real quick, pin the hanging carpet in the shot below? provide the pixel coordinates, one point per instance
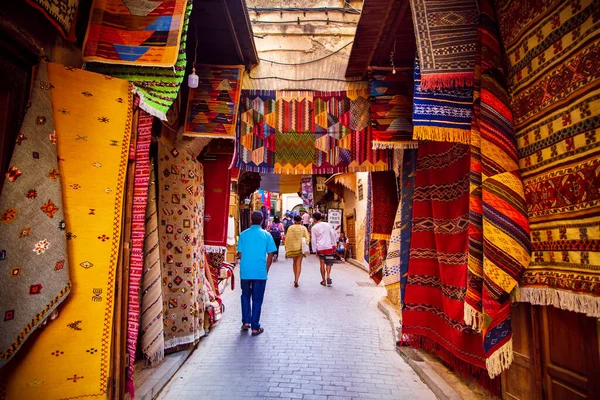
(553, 52)
(62, 14)
(217, 184)
(407, 182)
(384, 204)
(71, 356)
(33, 253)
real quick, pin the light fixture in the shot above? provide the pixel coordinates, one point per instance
(392, 58)
(193, 79)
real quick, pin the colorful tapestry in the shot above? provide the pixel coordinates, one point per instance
(157, 87)
(134, 32)
(217, 184)
(553, 52)
(307, 192)
(152, 340)
(32, 228)
(138, 231)
(62, 14)
(212, 107)
(384, 204)
(446, 35)
(391, 269)
(499, 244)
(71, 356)
(390, 96)
(181, 232)
(432, 318)
(407, 181)
(442, 114)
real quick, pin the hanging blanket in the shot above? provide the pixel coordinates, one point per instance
(181, 245)
(554, 80)
(216, 188)
(212, 107)
(407, 181)
(33, 253)
(136, 264)
(434, 299)
(135, 32)
(391, 269)
(446, 35)
(151, 329)
(307, 192)
(157, 87)
(62, 14)
(71, 357)
(442, 114)
(385, 204)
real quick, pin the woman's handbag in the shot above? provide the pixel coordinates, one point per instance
(305, 248)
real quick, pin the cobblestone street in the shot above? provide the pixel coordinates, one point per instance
(319, 343)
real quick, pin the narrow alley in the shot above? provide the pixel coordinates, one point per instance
(319, 343)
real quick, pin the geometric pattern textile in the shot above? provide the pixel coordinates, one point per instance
(133, 32)
(446, 34)
(71, 356)
(553, 52)
(181, 201)
(212, 107)
(407, 182)
(61, 14)
(34, 264)
(391, 270)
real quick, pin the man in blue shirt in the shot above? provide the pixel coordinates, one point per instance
(255, 250)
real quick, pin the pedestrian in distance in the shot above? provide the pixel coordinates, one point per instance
(324, 243)
(255, 251)
(276, 230)
(293, 246)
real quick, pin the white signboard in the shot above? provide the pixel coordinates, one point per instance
(334, 218)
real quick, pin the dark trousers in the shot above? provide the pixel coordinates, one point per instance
(252, 289)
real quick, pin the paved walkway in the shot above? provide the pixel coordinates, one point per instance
(319, 343)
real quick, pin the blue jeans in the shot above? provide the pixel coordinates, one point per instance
(255, 289)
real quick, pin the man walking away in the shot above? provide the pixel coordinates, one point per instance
(276, 231)
(255, 250)
(324, 243)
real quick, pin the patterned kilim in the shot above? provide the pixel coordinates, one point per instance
(391, 270)
(295, 153)
(446, 34)
(499, 245)
(138, 230)
(181, 232)
(391, 110)
(134, 32)
(216, 188)
(157, 87)
(553, 52)
(384, 204)
(442, 114)
(33, 253)
(61, 13)
(436, 284)
(307, 191)
(152, 340)
(71, 356)
(407, 180)
(212, 107)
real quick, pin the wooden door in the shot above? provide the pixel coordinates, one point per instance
(351, 234)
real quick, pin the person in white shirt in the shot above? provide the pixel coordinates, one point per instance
(324, 243)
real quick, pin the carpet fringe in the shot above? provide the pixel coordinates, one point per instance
(156, 358)
(441, 134)
(473, 318)
(576, 302)
(500, 360)
(447, 81)
(147, 107)
(180, 341)
(215, 249)
(395, 145)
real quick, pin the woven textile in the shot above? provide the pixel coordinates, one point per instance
(62, 14)
(138, 230)
(434, 299)
(151, 329)
(442, 114)
(157, 87)
(553, 51)
(307, 191)
(391, 270)
(134, 32)
(33, 253)
(212, 107)
(407, 188)
(71, 356)
(446, 35)
(181, 233)
(390, 96)
(384, 204)
(216, 188)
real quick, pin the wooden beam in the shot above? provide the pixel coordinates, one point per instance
(236, 41)
(387, 46)
(374, 47)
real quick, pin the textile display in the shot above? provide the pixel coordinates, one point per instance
(138, 231)
(62, 14)
(390, 96)
(391, 269)
(140, 33)
(374, 249)
(71, 356)
(306, 132)
(499, 244)
(151, 332)
(407, 181)
(157, 87)
(217, 185)
(553, 52)
(32, 229)
(442, 114)
(384, 204)
(446, 36)
(212, 107)
(181, 232)
(307, 192)
(270, 182)
(432, 317)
